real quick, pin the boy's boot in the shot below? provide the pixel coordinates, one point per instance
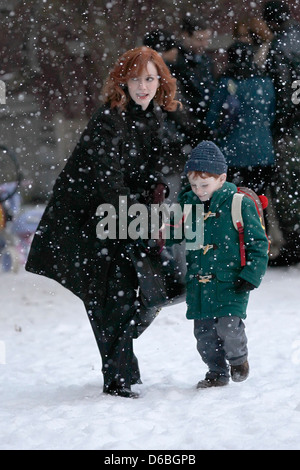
(213, 380)
(240, 373)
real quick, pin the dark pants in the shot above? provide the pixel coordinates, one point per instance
(122, 319)
(221, 340)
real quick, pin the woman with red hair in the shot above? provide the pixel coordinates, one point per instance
(129, 68)
(119, 156)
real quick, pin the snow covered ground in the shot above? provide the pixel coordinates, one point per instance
(51, 382)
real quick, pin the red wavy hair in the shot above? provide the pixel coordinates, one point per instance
(131, 64)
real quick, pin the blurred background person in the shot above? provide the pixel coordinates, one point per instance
(240, 31)
(247, 141)
(194, 67)
(255, 31)
(283, 66)
(261, 37)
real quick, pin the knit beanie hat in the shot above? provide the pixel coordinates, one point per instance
(206, 157)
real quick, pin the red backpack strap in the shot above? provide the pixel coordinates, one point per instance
(242, 244)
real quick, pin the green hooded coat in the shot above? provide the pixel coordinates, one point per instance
(211, 275)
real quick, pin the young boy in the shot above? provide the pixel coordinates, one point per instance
(217, 286)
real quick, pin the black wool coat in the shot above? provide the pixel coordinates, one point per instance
(119, 154)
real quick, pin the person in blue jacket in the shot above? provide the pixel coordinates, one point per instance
(247, 141)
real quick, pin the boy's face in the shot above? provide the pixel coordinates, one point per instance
(205, 187)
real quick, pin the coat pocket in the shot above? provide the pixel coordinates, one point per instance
(226, 292)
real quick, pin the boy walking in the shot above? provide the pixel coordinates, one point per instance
(217, 285)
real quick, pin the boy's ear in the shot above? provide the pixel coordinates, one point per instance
(223, 177)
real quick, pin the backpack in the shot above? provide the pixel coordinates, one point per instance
(261, 202)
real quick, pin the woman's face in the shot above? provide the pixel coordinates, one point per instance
(142, 89)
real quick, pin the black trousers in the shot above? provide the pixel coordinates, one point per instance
(122, 319)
